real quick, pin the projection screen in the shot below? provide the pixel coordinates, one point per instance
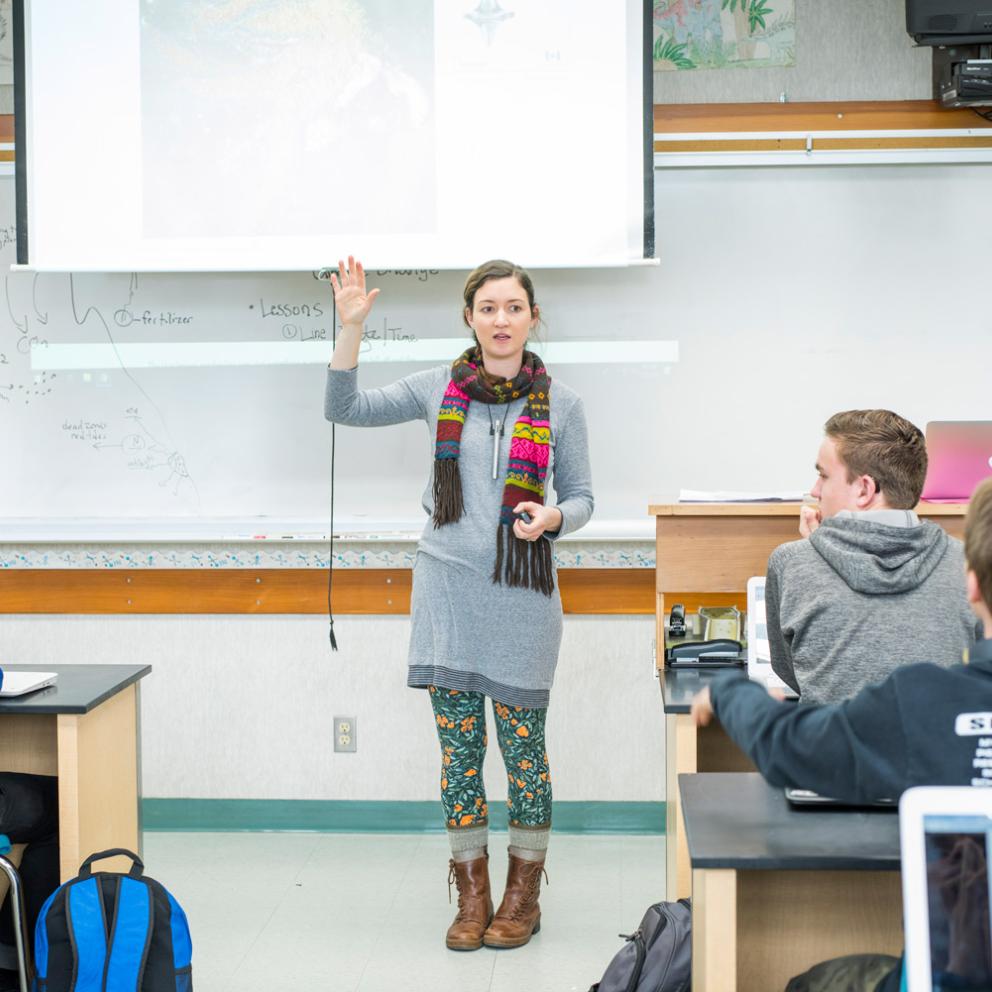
(183, 135)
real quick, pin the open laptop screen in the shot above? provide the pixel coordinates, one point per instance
(959, 453)
(958, 900)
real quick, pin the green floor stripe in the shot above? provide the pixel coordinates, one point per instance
(354, 816)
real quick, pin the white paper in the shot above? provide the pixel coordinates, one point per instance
(739, 496)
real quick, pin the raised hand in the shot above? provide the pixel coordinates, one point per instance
(352, 302)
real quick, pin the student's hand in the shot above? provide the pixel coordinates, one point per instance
(352, 302)
(702, 708)
(542, 518)
(809, 519)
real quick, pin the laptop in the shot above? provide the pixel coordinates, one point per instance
(959, 455)
(759, 656)
(945, 836)
(19, 683)
(807, 797)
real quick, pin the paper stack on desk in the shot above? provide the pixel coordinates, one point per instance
(738, 496)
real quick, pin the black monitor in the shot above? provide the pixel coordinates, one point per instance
(949, 22)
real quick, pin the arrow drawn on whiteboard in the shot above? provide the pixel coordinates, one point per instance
(42, 317)
(132, 288)
(6, 292)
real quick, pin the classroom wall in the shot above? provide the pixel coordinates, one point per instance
(794, 292)
(242, 707)
(845, 50)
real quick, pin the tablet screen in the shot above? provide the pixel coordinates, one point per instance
(958, 898)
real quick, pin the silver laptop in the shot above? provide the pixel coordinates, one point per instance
(945, 838)
(19, 683)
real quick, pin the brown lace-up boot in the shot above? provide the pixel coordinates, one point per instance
(519, 915)
(475, 903)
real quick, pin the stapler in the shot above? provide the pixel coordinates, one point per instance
(719, 653)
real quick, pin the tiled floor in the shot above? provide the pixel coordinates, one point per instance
(367, 912)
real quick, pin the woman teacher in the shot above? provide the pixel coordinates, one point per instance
(486, 616)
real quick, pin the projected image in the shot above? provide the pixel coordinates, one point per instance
(268, 118)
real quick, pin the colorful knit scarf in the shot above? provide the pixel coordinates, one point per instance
(518, 563)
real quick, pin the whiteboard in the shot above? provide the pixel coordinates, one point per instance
(224, 441)
(790, 293)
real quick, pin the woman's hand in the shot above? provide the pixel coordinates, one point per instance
(352, 302)
(542, 518)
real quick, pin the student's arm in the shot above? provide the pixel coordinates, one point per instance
(854, 751)
(572, 475)
(781, 653)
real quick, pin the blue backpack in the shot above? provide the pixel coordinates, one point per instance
(105, 930)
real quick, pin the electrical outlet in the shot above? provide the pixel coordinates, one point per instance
(345, 733)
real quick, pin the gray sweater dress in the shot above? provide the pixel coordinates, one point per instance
(468, 633)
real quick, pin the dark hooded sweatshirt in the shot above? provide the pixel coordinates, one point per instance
(923, 725)
(859, 598)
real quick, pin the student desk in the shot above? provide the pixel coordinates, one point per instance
(714, 548)
(84, 729)
(705, 553)
(686, 750)
(776, 890)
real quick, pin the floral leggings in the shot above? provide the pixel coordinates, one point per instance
(461, 729)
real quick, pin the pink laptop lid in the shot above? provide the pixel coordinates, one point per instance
(959, 454)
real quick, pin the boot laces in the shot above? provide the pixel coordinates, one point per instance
(526, 904)
(453, 880)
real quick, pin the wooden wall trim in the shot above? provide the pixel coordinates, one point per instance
(281, 591)
(901, 115)
(751, 127)
(822, 144)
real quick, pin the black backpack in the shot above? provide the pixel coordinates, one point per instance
(657, 956)
(105, 930)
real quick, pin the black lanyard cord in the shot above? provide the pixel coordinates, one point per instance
(330, 555)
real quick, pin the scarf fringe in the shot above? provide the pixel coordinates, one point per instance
(449, 503)
(523, 564)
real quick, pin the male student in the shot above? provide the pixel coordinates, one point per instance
(923, 725)
(870, 586)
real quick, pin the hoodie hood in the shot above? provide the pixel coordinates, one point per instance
(879, 559)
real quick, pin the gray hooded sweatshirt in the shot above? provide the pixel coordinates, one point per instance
(860, 598)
